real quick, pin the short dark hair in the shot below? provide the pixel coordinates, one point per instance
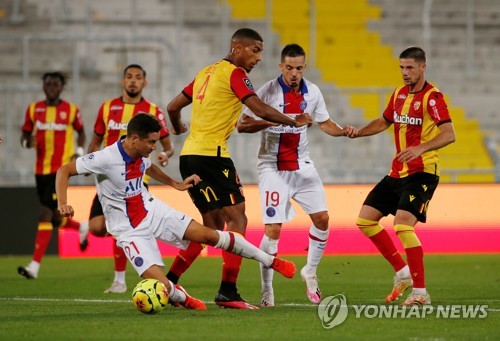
(413, 52)
(134, 66)
(55, 74)
(143, 124)
(247, 33)
(292, 50)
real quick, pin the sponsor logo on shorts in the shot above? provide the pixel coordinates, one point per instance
(271, 212)
(138, 261)
(207, 191)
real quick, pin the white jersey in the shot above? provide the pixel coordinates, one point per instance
(285, 147)
(125, 200)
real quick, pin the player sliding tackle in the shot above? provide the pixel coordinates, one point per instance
(137, 219)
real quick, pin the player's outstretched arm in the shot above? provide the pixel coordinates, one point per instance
(247, 124)
(156, 173)
(268, 113)
(62, 180)
(174, 109)
(374, 127)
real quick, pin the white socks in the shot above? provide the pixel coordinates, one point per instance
(237, 244)
(120, 277)
(176, 295)
(269, 246)
(404, 272)
(317, 244)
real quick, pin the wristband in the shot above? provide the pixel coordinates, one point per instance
(80, 151)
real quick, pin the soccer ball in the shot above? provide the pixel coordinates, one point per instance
(150, 296)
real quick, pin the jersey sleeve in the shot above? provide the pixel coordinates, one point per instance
(93, 163)
(241, 84)
(164, 132)
(28, 123)
(188, 91)
(320, 112)
(262, 93)
(437, 108)
(78, 122)
(100, 125)
(389, 110)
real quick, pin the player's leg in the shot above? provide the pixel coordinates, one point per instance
(310, 195)
(268, 244)
(145, 257)
(235, 243)
(185, 258)
(416, 195)
(97, 226)
(382, 200)
(45, 185)
(82, 228)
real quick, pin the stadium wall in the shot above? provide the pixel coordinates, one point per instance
(461, 219)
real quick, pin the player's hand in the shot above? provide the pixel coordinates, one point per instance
(66, 210)
(27, 142)
(188, 182)
(349, 131)
(411, 153)
(183, 128)
(303, 119)
(162, 158)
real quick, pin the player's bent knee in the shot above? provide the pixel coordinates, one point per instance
(97, 229)
(406, 234)
(368, 227)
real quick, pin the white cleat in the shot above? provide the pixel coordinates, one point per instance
(27, 272)
(83, 231)
(267, 299)
(116, 288)
(313, 292)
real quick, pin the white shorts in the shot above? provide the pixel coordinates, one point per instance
(162, 223)
(277, 188)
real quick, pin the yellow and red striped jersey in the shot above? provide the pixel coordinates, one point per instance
(217, 94)
(416, 117)
(54, 128)
(113, 117)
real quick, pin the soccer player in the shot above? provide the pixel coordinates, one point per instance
(137, 219)
(422, 125)
(285, 169)
(111, 123)
(217, 94)
(49, 126)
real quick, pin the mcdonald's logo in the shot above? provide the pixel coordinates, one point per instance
(206, 192)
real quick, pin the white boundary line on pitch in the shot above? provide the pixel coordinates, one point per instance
(130, 301)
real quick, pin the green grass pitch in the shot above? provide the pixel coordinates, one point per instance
(67, 302)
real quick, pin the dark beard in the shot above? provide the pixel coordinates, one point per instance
(132, 94)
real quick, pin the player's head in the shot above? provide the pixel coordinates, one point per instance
(134, 80)
(246, 48)
(293, 64)
(412, 63)
(143, 130)
(53, 84)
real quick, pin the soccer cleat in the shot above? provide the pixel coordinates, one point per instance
(417, 299)
(400, 286)
(116, 288)
(284, 267)
(233, 300)
(190, 302)
(312, 288)
(84, 233)
(267, 299)
(27, 272)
